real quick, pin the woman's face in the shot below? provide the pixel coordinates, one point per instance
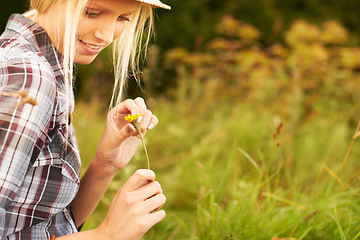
(101, 23)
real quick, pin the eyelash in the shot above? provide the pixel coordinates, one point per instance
(122, 18)
(91, 14)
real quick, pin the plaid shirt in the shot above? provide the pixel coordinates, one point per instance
(39, 167)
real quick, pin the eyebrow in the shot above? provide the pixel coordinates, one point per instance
(129, 13)
(92, 7)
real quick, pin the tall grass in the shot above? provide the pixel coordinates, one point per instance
(257, 154)
(225, 177)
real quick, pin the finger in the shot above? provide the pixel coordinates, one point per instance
(145, 121)
(140, 102)
(137, 179)
(127, 106)
(153, 122)
(148, 190)
(149, 220)
(155, 217)
(155, 203)
(127, 131)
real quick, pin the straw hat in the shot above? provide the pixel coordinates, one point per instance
(155, 3)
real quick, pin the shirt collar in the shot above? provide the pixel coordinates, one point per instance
(39, 39)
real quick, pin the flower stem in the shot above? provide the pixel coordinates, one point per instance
(143, 143)
(135, 121)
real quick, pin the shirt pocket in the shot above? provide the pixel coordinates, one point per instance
(70, 157)
(60, 152)
(59, 166)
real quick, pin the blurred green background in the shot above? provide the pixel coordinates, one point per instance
(191, 21)
(258, 103)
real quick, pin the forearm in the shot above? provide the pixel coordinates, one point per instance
(86, 235)
(92, 187)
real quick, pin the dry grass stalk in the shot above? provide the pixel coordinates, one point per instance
(20, 94)
(276, 238)
(355, 136)
(288, 202)
(278, 130)
(305, 219)
(23, 94)
(335, 176)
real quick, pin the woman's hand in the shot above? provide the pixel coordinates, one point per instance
(134, 209)
(120, 139)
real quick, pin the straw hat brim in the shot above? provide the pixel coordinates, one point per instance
(155, 3)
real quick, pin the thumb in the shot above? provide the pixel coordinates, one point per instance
(139, 179)
(127, 131)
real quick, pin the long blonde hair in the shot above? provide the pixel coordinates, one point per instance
(126, 49)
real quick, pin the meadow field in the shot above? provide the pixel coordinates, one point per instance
(253, 142)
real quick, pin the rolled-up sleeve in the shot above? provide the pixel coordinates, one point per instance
(23, 124)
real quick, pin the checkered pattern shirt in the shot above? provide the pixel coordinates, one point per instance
(39, 159)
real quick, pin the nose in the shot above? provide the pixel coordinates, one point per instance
(109, 31)
(105, 32)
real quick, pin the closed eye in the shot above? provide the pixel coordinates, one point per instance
(91, 14)
(123, 18)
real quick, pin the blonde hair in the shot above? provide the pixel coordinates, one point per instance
(126, 49)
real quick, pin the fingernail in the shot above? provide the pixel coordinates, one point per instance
(150, 126)
(140, 118)
(130, 129)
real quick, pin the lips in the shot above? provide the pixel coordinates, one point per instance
(94, 47)
(91, 48)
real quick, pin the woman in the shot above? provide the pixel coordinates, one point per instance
(40, 192)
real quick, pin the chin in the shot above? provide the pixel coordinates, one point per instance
(84, 60)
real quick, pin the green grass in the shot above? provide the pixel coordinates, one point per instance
(225, 177)
(222, 170)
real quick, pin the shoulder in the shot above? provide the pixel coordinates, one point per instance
(25, 69)
(22, 50)
(29, 74)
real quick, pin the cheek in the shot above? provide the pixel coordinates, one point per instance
(81, 28)
(119, 30)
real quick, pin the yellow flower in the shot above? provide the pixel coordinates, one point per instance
(131, 118)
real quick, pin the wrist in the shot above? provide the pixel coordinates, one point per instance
(104, 232)
(105, 168)
(100, 233)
